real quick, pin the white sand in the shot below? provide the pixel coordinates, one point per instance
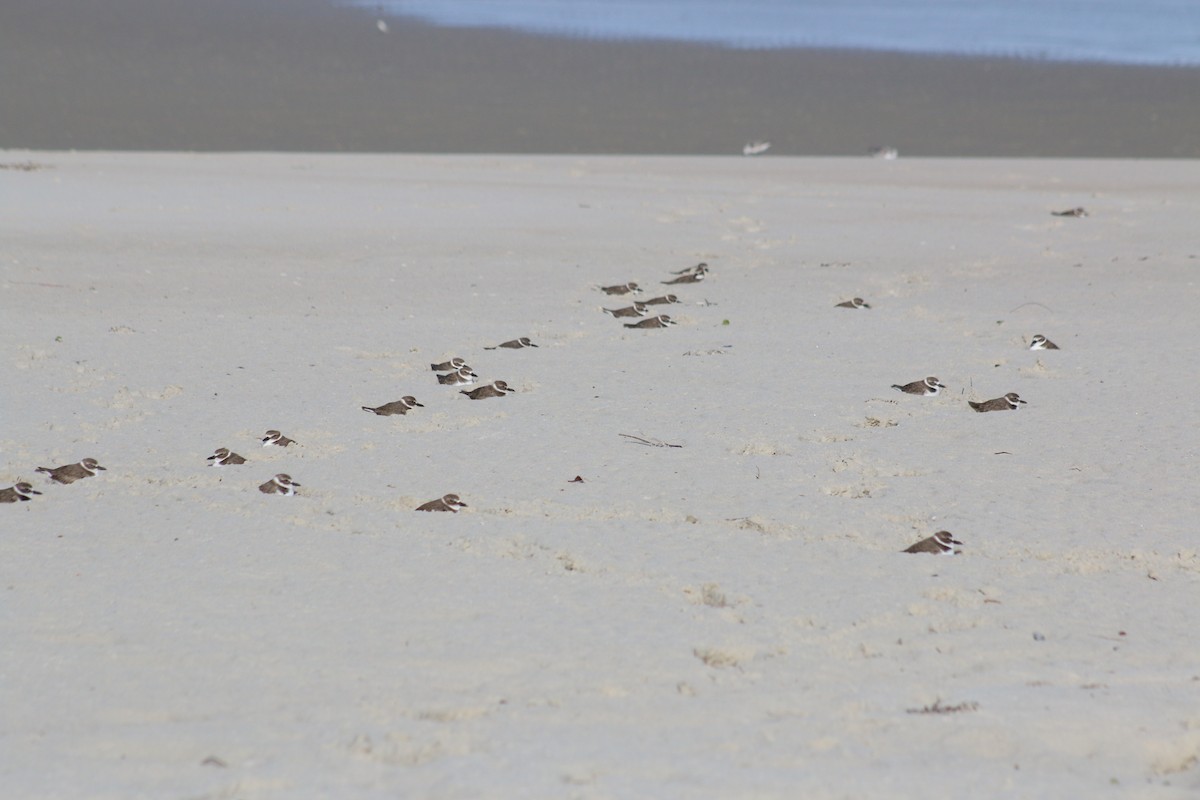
(729, 619)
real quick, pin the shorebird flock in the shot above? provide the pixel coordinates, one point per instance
(456, 372)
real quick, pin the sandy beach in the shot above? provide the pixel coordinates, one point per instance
(727, 617)
(302, 75)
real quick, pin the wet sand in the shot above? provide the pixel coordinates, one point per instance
(301, 76)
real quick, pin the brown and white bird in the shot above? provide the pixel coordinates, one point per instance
(695, 276)
(661, 321)
(1039, 342)
(276, 439)
(280, 484)
(855, 302)
(701, 267)
(515, 344)
(19, 492)
(453, 365)
(666, 299)
(401, 406)
(449, 502)
(1010, 402)
(622, 288)
(494, 389)
(1078, 211)
(635, 310)
(461, 377)
(927, 387)
(69, 473)
(225, 457)
(940, 544)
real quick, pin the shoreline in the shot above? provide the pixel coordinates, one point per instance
(138, 75)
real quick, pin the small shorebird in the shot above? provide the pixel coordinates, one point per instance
(661, 321)
(635, 310)
(224, 456)
(940, 544)
(494, 389)
(622, 288)
(1039, 342)
(755, 147)
(886, 153)
(69, 473)
(401, 406)
(927, 387)
(856, 302)
(17, 492)
(462, 377)
(280, 484)
(695, 276)
(515, 344)
(703, 265)
(665, 300)
(453, 365)
(449, 502)
(276, 439)
(1078, 211)
(1010, 402)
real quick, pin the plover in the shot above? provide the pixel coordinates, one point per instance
(661, 321)
(276, 439)
(449, 502)
(452, 365)
(665, 300)
(494, 389)
(401, 406)
(856, 302)
(755, 147)
(940, 544)
(69, 473)
(622, 288)
(224, 457)
(694, 276)
(1039, 342)
(462, 377)
(1078, 211)
(1010, 402)
(20, 491)
(515, 344)
(703, 265)
(929, 386)
(280, 484)
(886, 153)
(635, 310)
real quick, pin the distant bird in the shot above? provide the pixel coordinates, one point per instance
(695, 276)
(929, 386)
(660, 321)
(401, 406)
(635, 310)
(755, 147)
(69, 473)
(622, 288)
(856, 302)
(19, 492)
(1039, 342)
(940, 544)
(1078, 211)
(449, 502)
(515, 344)
(885, 153)
(701, 267)
(1010, 402)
